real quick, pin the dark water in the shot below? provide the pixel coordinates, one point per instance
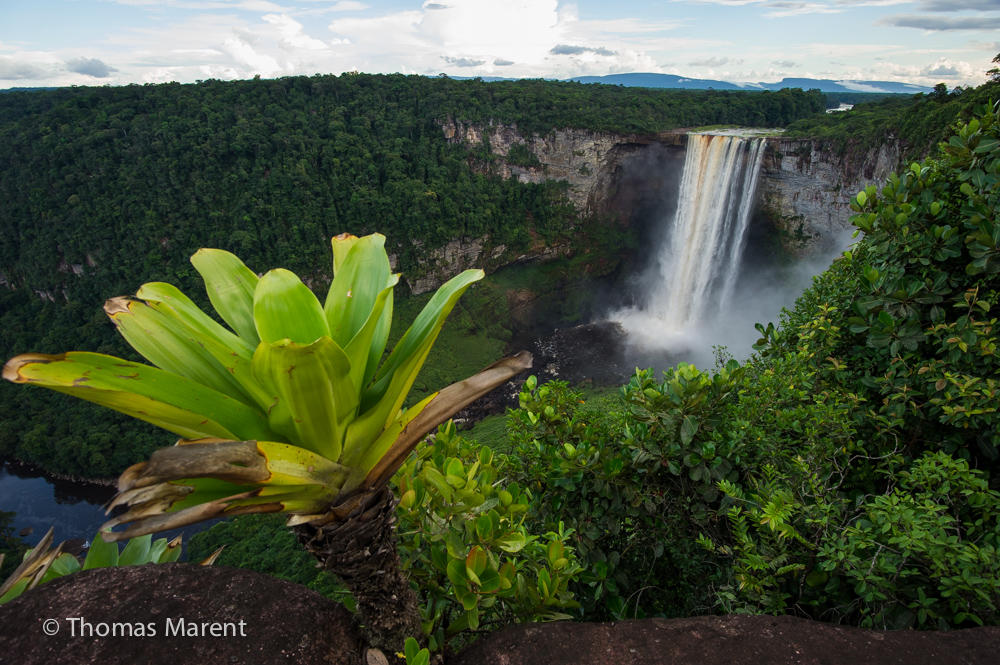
(75, 509)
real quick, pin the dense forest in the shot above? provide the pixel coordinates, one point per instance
(919, 122)
(107, 188)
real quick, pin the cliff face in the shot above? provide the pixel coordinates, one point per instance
(806, 189)
(596, 166)
(587, 161)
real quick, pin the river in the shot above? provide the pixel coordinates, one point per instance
(75, 509)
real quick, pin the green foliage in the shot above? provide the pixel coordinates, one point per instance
(603, 475)
(465, 544)
(895, 347)
(927, 312)
(919, 122)
(413, 654)
(521, 155)
(926, 552)
(11, 546)
(263, 543)
(137, 552)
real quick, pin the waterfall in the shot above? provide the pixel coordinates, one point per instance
(696, 268)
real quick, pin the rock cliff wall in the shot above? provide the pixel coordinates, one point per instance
(595, 166)
(805, 189)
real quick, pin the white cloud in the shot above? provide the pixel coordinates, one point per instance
(292, 35)
(949, 69)
(782, 8)
(242, 51)
(20, 68)
(207, 5)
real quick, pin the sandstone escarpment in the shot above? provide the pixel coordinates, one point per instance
(806, 188)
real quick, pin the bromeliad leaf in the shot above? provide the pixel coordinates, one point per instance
(285, 308)
(173, 402)
(362, 275)
(230, 286)
(313, 397)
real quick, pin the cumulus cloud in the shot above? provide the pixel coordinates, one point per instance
(463, 62)
(937, 23)
(15, 69)
(90, 67)
(291, 35)
(500, 62)
(567, 49)
(944, 68)
(787, 64)
(242, 51)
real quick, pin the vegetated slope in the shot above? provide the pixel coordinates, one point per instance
(107, 188)
(919, 121)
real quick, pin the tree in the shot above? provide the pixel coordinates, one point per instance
(292, 410)
(994, 73)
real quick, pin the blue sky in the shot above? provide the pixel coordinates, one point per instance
(114, 42)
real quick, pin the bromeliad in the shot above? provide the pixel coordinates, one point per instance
(290, 409)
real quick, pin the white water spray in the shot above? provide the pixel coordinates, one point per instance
(697, 267)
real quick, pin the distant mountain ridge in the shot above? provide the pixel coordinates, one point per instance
(650, 80)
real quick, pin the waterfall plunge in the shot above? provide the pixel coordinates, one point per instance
(697, 266)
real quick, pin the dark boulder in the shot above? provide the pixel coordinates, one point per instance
(175, 613)
(728, 640)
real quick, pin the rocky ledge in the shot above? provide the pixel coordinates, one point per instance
(182, 613)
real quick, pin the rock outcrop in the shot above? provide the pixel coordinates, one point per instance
(182, 613)
(588, 161)
(805, 189)
(727, 640)
(176, 613)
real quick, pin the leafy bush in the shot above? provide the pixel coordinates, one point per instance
(465, 545)
(608, 478)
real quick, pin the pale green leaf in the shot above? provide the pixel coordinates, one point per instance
(230, 286)
(285, 308)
